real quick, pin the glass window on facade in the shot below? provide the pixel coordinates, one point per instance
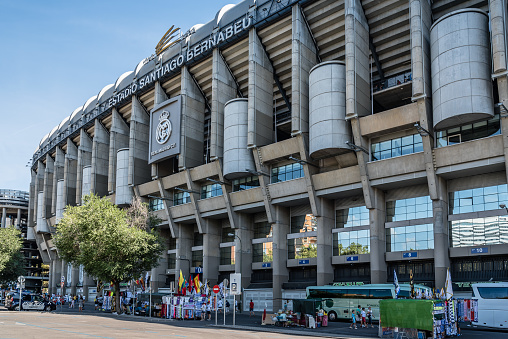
(353, 242)
(227, 255)
(198, 239)
(228, 238)
(262, 252)
(263, 230)
(172, 261)
(287, 172)
(351, 217)
(301, 248)
(410, 238)
(155, 204)
(397, 147)
(479, 231)
(478, 199)
(212, 190)
(180, 198)
(197, 258)
(409, 209)
(303, 223)
(468, 132)
(172, 244)
(245, 183)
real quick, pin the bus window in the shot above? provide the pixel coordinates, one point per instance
(358, 293)
(493, 292)
(380, 294)
(404, 294)
(337, 293)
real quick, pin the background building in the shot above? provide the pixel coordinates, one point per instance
(372, 130)
(14, 205)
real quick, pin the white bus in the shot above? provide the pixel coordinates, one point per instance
(492, 304)
(340, 301)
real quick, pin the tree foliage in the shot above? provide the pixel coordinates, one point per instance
(112, 244)
(353, 248)
(307, 252)
(11, 259)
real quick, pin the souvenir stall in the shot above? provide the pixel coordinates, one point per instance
(305, 313)
(183, 307)
(418, 318)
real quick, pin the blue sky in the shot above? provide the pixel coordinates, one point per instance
(55, 55)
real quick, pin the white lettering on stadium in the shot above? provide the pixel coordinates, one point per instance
(162, 149)
(178, 61)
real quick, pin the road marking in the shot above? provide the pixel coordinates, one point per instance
(20, 323)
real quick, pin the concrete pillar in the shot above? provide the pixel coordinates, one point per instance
(191, 126)
(184, 244)
(497, 9)
(100, 159)
(39, 186)
(159, 97)
(70, 174)
(357, 61)
(421, 20)
(32, 199)
(280, 253)
(441, 238)
(303, 58)
(223, 90)
(377, 238)
(51, 280)
(158, 274)
(74, 279)
(58, 174)
(211, 250)
(18, 218)
(48, 187)
(4, 216)
(84, 159)
(326, 222)
(63, 273)
(243, 247)
(118, 138)
(260, 110)
(139, 170)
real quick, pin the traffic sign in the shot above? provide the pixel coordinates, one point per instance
(21, 279)
(216, 289)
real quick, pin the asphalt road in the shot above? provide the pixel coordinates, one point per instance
(69, 323)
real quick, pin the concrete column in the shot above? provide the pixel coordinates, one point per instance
(139, 170)
(184, 244)
(39, 186)
(193, 119)
(223, 90)
(260, 109)
(118, 138)
(159, 97)
(74, 280)
(243, 247)
(84, 159)
(497, 10)
(421, 20)
(158, 273)
(326, 223)
(58, 174)
(51, 280)
(303, 58)
(377, 238)
(4, 216)
(70, 174)
(48, 187)
(280, 253)
(441, 238)
(211, 250)
(357, 61)
(32, 199)
(18, 219)
(100, 159)
(63, 273)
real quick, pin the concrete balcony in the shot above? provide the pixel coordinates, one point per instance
(181, 211)
(279, 150)
(335, 183)
(174, 180)
(250, 200)
(291, 191)
(215, 206)
(204, 171)
(392, 120)
(397, 172)
(148, 188)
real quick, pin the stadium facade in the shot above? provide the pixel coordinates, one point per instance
(302, 143)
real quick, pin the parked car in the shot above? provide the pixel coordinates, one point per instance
(38, 303)
(12, 300)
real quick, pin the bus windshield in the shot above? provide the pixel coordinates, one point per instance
(493, 292)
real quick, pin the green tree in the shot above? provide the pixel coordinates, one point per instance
(11, 259)
(268, 256)
(307, 252)
(111, 243)
(354, 248)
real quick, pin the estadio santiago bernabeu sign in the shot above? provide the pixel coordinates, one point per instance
(202, 47)
(165, 130)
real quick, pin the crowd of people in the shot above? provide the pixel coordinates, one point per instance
(362, 315)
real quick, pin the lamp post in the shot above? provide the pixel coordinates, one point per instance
(234, 296)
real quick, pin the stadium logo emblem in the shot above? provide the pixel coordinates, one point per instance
(164, 128)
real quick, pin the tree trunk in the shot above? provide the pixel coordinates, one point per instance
(117, 298)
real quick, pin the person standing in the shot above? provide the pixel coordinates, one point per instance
(219, 305)
(369, 316)
(364, 314)
(203, 311)
(80, 304)
(353, 320)
(251, 308)
(72, 302)
(209, 310)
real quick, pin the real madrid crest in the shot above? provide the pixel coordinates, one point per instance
(164, 128)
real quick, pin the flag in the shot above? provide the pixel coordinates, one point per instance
(448, 285)
(181, 280)
(147, 279)
(396, 284)
(191, 284)
(441, 294)
(197, 283)
(142, 284)
(207, 289)
(412, 284)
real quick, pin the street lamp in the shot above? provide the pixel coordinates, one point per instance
(241, 248)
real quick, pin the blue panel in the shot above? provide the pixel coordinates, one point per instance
(303, 262)
(354, 258)
(409, 254)
(480, 250)
(266, 264)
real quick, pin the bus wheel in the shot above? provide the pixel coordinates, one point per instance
(332, 316)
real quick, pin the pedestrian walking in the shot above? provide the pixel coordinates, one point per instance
(209, 310)
(80, 304)
(369, 316)
(203, 311)
(219, 305)
(72, 302)
(353, 320)
(364, 314)
(227, 306)
(96, 303)
(251, 308)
